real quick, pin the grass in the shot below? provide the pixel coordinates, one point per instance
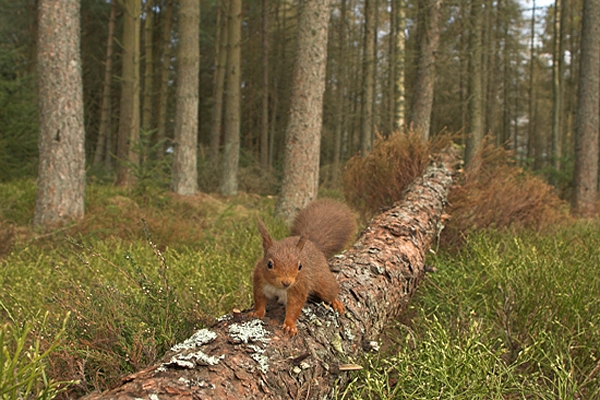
(137, 275)
(509, 316)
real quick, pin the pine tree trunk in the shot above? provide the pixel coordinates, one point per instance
(303, 133)
(148, 69)
(129, 120)
(185, 172)
(368, 83)
(400, 65)
(429, 38)
(264, 126)
(243, 358)
(585, 193)
(341, 76)
(219, 81)
(506, 83)
(161, 126)
(105, 109)
(61, 172)
(531, 131)
(475, 138)
(231, 148)
(557, 60)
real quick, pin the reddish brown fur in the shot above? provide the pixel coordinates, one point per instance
(323, 228)
(327, 223)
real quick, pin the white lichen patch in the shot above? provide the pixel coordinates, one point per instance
(251, 331)
(225, 317)
(200, 338)
(184, 381)
(190, 360)
(349, 335)
(153, 396)
(262, 360)
(196, 382)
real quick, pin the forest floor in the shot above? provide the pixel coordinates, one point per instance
(506, 315)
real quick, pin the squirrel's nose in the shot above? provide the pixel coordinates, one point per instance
(286, 283)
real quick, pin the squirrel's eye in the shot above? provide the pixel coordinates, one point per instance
(270, 264)
(299, 266)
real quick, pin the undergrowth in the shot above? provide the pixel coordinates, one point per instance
(378, 180)
(137, 275)
(510, 316)
(491, 192)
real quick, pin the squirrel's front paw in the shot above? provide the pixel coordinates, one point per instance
(338, 306)
(290, 328)
(257, 314)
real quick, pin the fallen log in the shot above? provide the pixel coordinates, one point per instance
(244, 358)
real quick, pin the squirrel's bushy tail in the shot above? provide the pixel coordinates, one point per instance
(327, 223)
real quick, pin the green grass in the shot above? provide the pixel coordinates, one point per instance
(509, 316)
(130, 296)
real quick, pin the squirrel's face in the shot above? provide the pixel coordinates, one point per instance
(281, 270)
(281, 262)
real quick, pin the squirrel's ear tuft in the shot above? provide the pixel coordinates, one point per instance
(301, 243)
(266, 238)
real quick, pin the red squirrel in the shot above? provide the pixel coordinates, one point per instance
(295, 267)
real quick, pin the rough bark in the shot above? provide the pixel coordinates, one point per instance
(531, 131)
(587, 125)
(368, 83)
(231, 148)
(400, 64)
(557, 61)
(264, 126)
(105, 109)
(129, 119)
(429, 38)
(303, 133)
(148, 69)
(341, 77)
(219, 82)
(185, 172)
(61, 171)
(243, 358)
(161, 126)
(475, 138)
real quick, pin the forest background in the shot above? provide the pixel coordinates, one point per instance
(500, 67)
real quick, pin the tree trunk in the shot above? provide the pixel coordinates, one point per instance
(400, 64)
(219, 81)
(531, 139)
(243, 358)
(231, 148)
(585, 193)
(129, 120)
(475, 138)
(341, 77)
(264, 126)
(61, 171)
(557, 60)
(161, 125)
(105, 108)
(368, 82)
(303, 134)
(185, 169)
(506, 82)
(148, 69)
(429, 38)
